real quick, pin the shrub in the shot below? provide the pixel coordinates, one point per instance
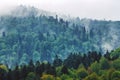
(104, 64)
(49, 77)
(116, 64)
(82, 73)
(72, 73)
(93, 76)
(109, 73)
(115, 75)
(3, 67)
(31, 76)
(95, 67)
(58, 71)
(66, 77)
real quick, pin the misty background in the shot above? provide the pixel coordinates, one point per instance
(95, 9)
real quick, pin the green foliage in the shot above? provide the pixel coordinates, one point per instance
(115, 53)
(72, 73)
(42, 37)
(66, 77)
(109, 74)
(82, 73)
(92, 76)
(95, 67)
(104, 64)
(115, 75)
(32, 76)
(58, 70)
(116, 64)
(103, 74)
(47, 71)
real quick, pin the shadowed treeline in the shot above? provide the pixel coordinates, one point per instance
(75, 67)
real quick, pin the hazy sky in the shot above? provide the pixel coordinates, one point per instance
(96, 9)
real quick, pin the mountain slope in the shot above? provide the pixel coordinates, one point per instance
(29, 33)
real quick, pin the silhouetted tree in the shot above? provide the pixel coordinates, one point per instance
(64, 70)
(57, 62)
(31, 66)
(107, 55)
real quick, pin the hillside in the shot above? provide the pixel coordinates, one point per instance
(29, 33)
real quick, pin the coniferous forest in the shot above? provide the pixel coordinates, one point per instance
(38, 45)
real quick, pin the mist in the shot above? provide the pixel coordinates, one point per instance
(95, 9)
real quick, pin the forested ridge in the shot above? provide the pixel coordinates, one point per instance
(39, 45)
(25, 35)
(29, 34)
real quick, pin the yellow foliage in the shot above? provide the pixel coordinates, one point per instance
(4, 68)
(49, 77)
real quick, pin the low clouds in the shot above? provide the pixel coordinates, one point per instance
(96, 9)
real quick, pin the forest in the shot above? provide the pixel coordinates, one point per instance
(91, 66)
(39, 46)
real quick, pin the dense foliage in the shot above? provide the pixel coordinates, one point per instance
(76, 66)
(41, 37)
(25, 35)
